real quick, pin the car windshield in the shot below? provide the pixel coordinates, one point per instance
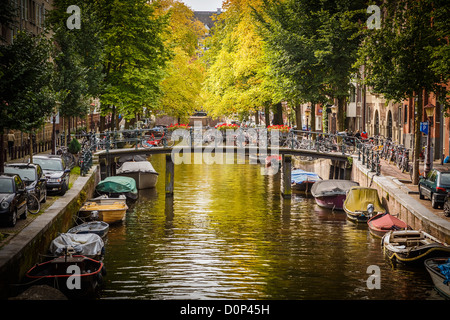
(49, 164)
(26, 173)
(445, 179)
(6, 186)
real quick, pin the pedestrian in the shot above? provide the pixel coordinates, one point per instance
(357, 134)
(11, 139)
(364, 135)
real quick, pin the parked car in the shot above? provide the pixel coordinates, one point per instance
(13, 199)
(33, 177)
(435, 186)
(55, 171)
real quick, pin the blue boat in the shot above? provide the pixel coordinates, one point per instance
(302, 180)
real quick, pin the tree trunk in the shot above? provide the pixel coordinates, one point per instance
(267, 114)
(298, 117)
(102, 123)
(340, 117)
(417, 136)
(30, 146)
(278, 114)
(2, 158)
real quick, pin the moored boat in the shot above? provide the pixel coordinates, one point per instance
(331, 194)
(302, 180)
(89, 244)
(439, 270)
(361, 203)
(109, 199)
(109, 213)
(100, 228)
(86, 275)
(117, 185)
(412, 246)
(384, 222)
(141, 171)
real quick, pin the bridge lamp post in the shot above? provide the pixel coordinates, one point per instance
(429, 109)
(307, 113)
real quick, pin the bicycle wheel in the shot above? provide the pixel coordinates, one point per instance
(33, 204)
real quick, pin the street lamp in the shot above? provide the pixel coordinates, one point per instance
(307, 113)
(429, 109)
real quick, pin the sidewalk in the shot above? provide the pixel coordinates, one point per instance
(391, 170)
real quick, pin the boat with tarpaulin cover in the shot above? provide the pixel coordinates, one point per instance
(331, 194)
(362, 203)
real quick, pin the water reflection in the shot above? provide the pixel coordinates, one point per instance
(228, 234)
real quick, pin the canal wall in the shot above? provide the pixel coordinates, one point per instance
(395, 198)
(28, 247)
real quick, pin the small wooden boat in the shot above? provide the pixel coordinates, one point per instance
(331, 194)
(302, 180)
(412, 246)
(361, 203)
(439, 270)
(90, 245)
(99, 228)
(118, 185)
(384, 222)
(109, 199)
(86, 275)
(109, 213)
(141, 171)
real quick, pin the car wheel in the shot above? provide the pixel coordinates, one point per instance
(13, 221)
(25, 213)
(63, 189)
(434, 204)
(421, 196)
(447, 208)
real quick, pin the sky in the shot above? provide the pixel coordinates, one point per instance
(203, 5)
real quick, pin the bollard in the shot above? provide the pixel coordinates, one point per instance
(286, 176)
(170, 170)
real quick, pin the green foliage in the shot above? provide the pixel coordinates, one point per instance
(77, 54)
(26, 97)
(74, 146)
(134, 56)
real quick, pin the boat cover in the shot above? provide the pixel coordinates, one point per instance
(445, 270)
(359, 197)
(131, 157)
(87, 244)
(387, 221)
(332, 187)
(299, 175)
(136, 166)
(117, 184)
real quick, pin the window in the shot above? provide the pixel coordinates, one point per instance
(6, 186)
(405, 118)
(445, 179)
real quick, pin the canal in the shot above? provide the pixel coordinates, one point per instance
(229, 235)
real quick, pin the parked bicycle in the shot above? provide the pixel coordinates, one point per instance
(33, 204)
(68, 157)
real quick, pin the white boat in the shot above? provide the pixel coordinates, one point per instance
(439, 270)
(141, 171)
(105, 199)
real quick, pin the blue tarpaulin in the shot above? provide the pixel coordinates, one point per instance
(299, 175)
(445, 270)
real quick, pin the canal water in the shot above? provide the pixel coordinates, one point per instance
(228, 234)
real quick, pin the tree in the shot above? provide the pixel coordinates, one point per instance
(77, 56)
(135, 55)
(181, 86)
(26, 96)
(314, 46)
(397, 59)
(237, 79)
